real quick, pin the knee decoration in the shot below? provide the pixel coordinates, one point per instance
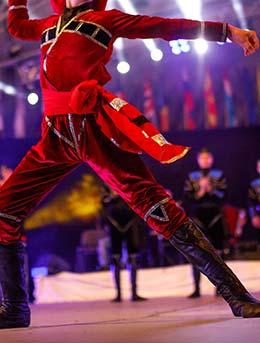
(165, 217)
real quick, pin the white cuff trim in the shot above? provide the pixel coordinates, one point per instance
(224, 34)
(11, 8)
(203, 28)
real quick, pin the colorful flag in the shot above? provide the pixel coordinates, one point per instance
(1, 114)
(149, 103)
(230, 117)
(211, 114)
(189, 121)
(258, 84)
(248, 86)
(258, 91)
(165, 118)
(19, 119)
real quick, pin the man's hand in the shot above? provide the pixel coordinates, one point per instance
(203, 187)
(247, 39)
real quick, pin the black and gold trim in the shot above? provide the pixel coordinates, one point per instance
(49, 35)
(140, 120)
(93, 31)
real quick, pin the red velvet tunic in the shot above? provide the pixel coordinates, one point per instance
(70, 58)
(75, 58)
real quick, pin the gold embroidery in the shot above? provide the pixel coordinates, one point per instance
(88, 37)
(49, 28)
(98, 25)
(176, 158)
(145, 134)
(118, 103)
(159, 139)
(95, 32)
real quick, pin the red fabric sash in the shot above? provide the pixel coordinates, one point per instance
(115, 117)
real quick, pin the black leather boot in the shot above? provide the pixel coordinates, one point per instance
(132, 266)
(14, 309)
(115, 268)
(192, 243)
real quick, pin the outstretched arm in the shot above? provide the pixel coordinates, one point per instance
(139, 26)
(19, 24)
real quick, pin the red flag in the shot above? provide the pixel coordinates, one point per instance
(230, 119)
(149, 103)
(188, 105)
(165, 119)
(258, 83)
(1, 113)
(19, 120)
(210, 103)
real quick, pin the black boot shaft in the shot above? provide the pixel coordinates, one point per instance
(12, 273)
(193, 244)
(14, 309)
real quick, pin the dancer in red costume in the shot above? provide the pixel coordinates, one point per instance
(84, 123)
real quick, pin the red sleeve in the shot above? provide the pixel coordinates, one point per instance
(138, 26)
(19, 24)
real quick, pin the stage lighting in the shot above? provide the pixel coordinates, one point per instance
(123, 67)
(184, 45)
(10, 90)
(176, 50)
(201, 46)
(191, 8)
(33, 99)
(156, 55)
(239, 9)
(7, 89)
(119, 44)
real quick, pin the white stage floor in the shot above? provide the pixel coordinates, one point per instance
(162, 319)
(153, 283)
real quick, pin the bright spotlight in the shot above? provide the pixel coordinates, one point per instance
(156, 55)
(201, 46)
(191, 8)
(176, 50)
(33, 99)
(184, 45)
(119, 44)
(123, 67)
(10, 90)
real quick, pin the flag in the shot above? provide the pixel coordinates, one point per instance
(19, 119)
(149, 103)
(211, 114)
(258, 83)
(165, 118)
(230, 119)
(248, 86)
(189, 121)
(1, 114)
(258, 91)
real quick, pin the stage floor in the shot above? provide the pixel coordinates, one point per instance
(160, 320)
(76, 308)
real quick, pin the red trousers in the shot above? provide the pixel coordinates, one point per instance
(68, 141)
